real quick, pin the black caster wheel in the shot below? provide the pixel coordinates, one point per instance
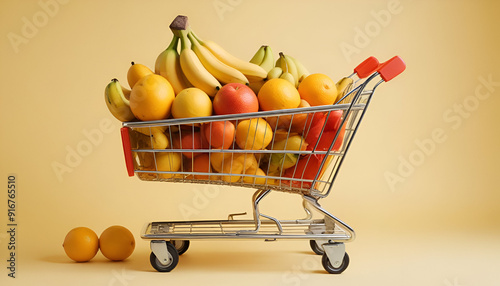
(181, 245)
(335, 270)
(318, 249)
(173, 259)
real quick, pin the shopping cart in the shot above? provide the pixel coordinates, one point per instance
(308, 169)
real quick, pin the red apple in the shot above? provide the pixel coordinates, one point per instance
(235, 98)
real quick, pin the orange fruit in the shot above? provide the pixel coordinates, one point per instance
(116, 243)
(189, 140)
(191, 102)
(81, 244)
(136, 72)
(253, 134)
(201, 164)
(295, 123)
(220, 134)
(235, 98)
(318, 89)
(151, 98)
(278, 93)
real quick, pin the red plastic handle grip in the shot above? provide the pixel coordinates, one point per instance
(391, 68)
(367, 67)
(127, 151)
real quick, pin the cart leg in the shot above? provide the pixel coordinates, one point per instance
(256, 198)
(307, 210)
(330, 220)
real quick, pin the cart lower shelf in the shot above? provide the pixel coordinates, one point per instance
(326, 236)
(244, 229)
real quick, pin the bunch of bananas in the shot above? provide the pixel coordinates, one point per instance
(285, 67)
(202, 63)
(288, 68)
(189, 61)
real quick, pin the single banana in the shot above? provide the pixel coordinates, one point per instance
(275, 72)
(288, 65)
(168, 65)
(289, 77)
(251, 71)
(268, 62)
(259, 55)
(159, 60)
(278, 62)
(343, 87)
(193, 69)
(222, 72)
(117, 102)
(302, 71)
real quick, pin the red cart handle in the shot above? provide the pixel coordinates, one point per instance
(391, 68)
(127, 151)
(367, 67)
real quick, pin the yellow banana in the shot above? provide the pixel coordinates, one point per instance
(168, 65)
(251, 71)
(193, 69)
(117, 102)
(343, 87)
(222, 72)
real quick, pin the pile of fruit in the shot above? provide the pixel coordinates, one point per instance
(196, 78)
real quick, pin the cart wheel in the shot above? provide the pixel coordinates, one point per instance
(316, 248)
(335, 270)
(181, 245)
(173, 259)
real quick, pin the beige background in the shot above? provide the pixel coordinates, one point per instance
(439, 224)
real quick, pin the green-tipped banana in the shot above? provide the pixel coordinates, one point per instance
(117, 102)
(259, 55)
(288, 65)
(343, 87)
(278, 62)
(275, 72)
(168, 65)
(222, 72)
(302, 71)
(268, 61)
